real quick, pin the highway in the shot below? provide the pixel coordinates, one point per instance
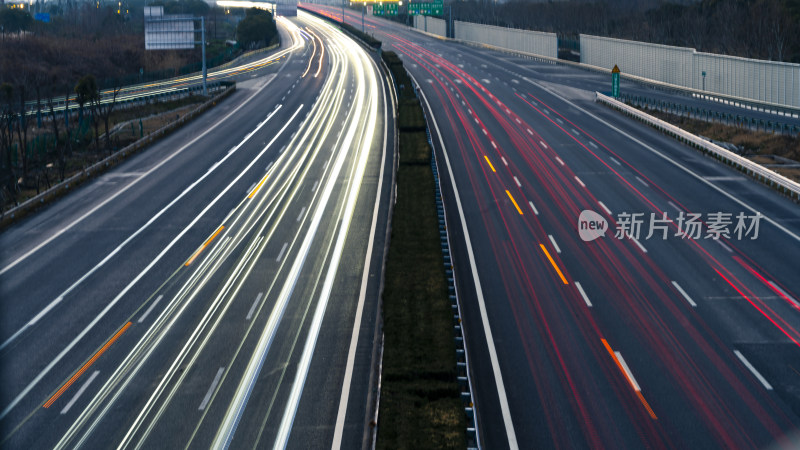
(651, 342)
(219, 289)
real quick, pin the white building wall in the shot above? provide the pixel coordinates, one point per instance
(765, 81)
(431, 25)
(535, 42)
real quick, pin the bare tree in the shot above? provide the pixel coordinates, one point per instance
(22, 133)
(108, 108)
(6, 140)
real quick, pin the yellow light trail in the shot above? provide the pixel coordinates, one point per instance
(544, 249)
(512, 199)
(200, 250)
(255, 189)
(492, 166)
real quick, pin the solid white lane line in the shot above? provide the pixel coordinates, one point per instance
(80, 392)
(300, 216)
(615, 160)
(643, 182)
(133, 183)
(351, 353)
(559, 160)
(517, 181)
(553, 241)
(603, 205)
(253, 308)
(627, 371)
(753, 370)
(150, 309)
(579, 181)
(505, 411)
(535, 211)
(283, 249)
(211, 388)
(672, 161)
(130, 238)
(149, 267)
(684, 294)
(786, 294)
(583, 294)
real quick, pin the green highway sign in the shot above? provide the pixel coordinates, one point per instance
(426, 8)
(384, 9)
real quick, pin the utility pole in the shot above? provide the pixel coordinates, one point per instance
(203, 45)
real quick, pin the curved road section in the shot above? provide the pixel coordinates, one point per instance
(217, 290)
(665, 338)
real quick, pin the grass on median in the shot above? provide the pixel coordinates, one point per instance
(420, 400)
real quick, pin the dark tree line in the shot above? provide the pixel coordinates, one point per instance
(761, 29)
(257, 29)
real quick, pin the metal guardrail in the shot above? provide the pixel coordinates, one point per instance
(757, 171)
(463, 366)
(98, 167)
(709, 115)
(739, 102)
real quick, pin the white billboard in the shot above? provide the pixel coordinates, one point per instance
(167, 32)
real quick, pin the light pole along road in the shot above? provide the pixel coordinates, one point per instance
(614, 343)
(219, 289)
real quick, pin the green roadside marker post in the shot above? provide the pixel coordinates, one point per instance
(615, 82)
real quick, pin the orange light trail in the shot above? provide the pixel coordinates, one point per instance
(544, 249)
(630, 381)
(86, 366)
(512, 199)
(208, 241)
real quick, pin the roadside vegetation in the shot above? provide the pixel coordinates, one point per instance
(85, 52)
(420, 401)
(780, 153)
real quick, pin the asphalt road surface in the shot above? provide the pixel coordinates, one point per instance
(651, 339)
(218, 289)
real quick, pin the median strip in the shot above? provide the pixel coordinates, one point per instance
(420, 403)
